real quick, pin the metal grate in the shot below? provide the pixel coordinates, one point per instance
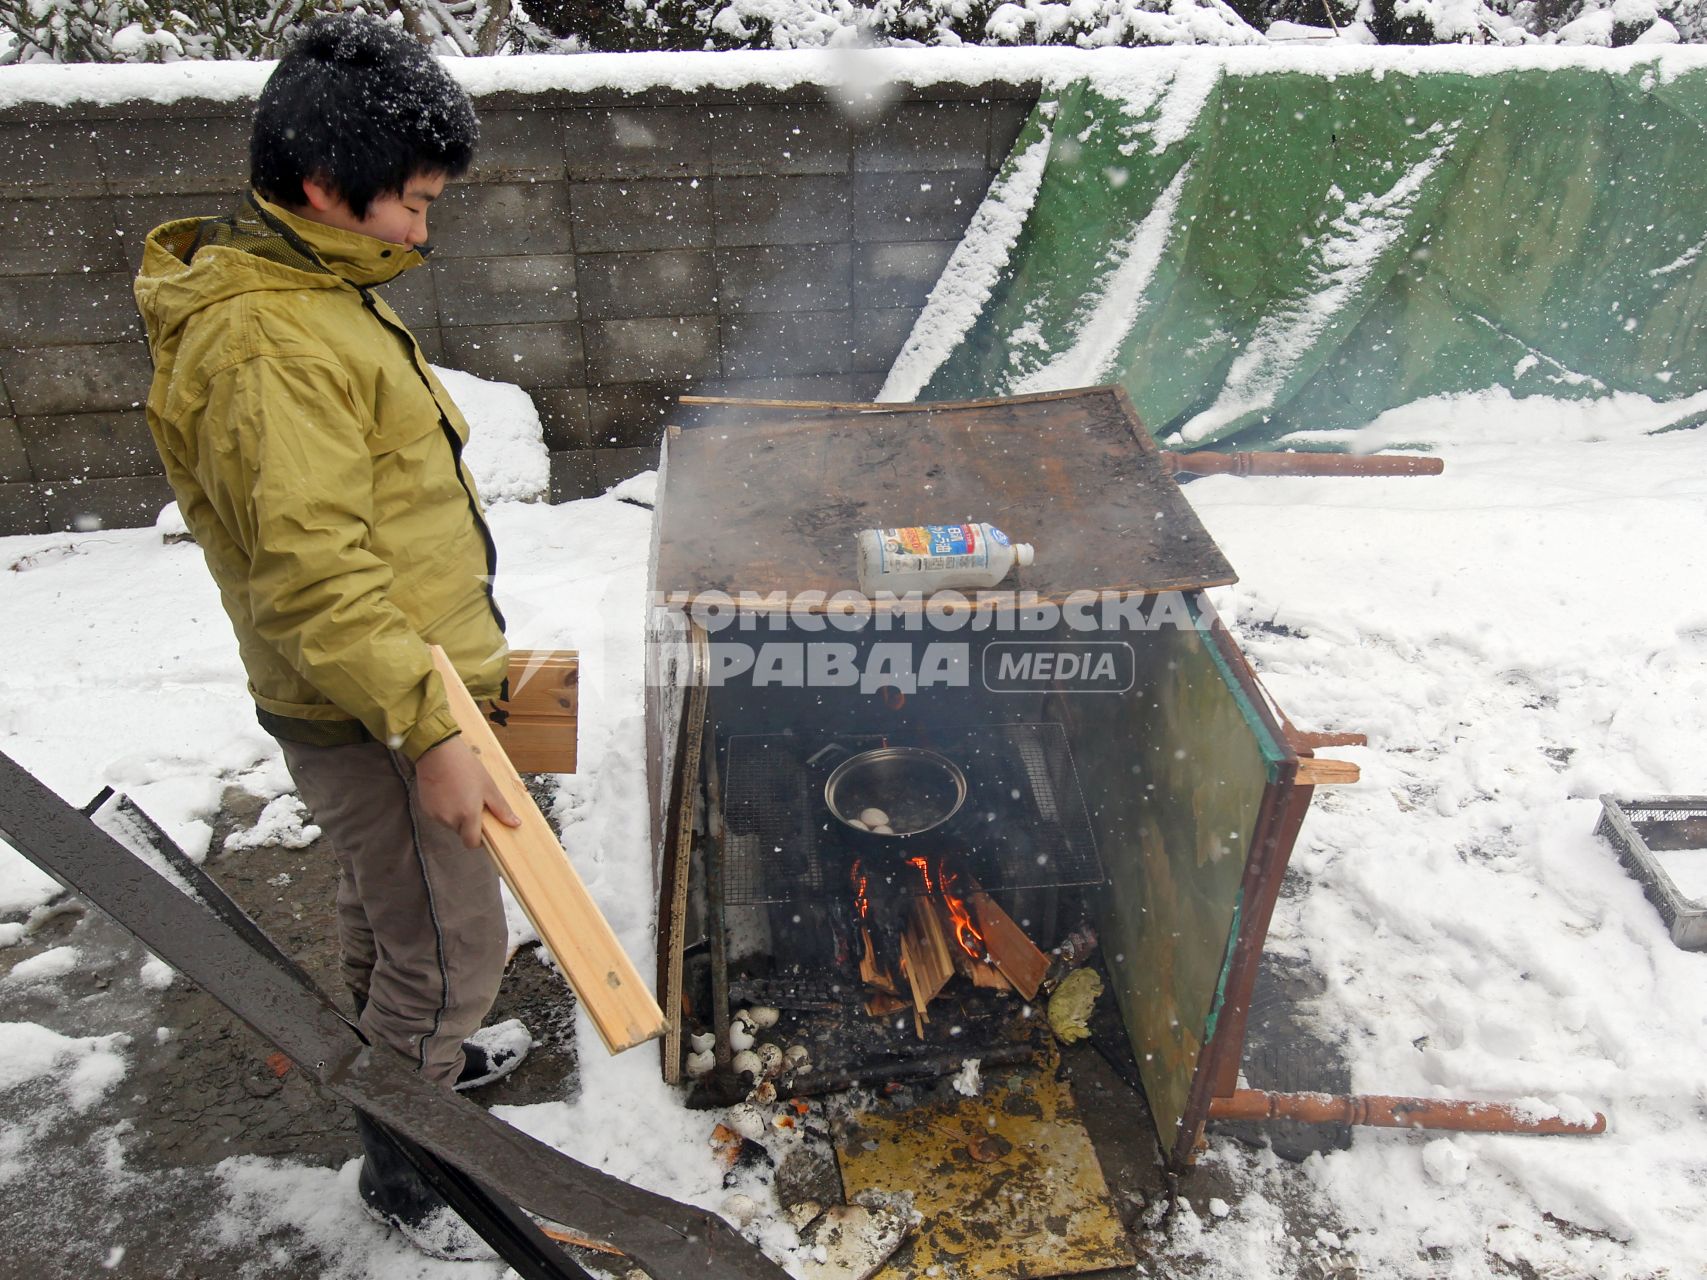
(1640, 829)
(1024, 824)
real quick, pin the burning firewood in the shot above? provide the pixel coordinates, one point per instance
(980, 973)
(951, 926)
(925, 955)
(1011, 951)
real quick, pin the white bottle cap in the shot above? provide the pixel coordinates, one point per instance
(1022, 553)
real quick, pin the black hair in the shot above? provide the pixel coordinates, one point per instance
(360, 106)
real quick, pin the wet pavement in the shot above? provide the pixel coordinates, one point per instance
(135, 1171)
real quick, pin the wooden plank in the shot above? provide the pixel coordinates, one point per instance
(1014, 954)
(833, 406)
(925, 953)
(1301, 464)
(882, 1004)
(536, 745)
(543, 682)
(979, 973)
(1313, 771)
(542, 712)
(550, 891)
(716, 922)
(678, 861)
(870, 971)
(1310, 740)
(889, 406)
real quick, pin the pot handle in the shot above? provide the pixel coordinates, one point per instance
(826, 755)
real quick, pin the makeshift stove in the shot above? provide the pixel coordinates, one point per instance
(1091, 756)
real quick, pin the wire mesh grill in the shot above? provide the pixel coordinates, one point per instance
(1639, 829)
(1024, 824)
(1668, 812)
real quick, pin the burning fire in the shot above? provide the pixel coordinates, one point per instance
(940, 882)
(965, 932)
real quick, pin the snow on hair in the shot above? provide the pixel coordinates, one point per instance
(360, 105)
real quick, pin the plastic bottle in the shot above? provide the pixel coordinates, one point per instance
(932, 557)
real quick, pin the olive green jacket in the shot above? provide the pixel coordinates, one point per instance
(317, 461)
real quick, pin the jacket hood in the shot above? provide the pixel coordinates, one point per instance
(195, 263)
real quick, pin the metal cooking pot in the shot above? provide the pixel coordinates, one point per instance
(919, 790)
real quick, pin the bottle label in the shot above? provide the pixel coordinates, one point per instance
(933, 546)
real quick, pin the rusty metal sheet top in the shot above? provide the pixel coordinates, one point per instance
(764, 497)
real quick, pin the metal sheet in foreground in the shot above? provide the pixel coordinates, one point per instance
(1008, 1183)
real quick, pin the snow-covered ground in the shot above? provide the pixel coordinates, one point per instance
(1516, 636)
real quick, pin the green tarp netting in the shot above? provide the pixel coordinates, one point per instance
(1258, 254)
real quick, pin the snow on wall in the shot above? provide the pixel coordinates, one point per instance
(971, 273)
(863, 75)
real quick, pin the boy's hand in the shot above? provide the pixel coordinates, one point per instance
(456, 790)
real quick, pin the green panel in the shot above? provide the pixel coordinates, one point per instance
(1251, 254)
(1175, 777)
(1273, 751)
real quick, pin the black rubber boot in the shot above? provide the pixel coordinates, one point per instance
(395, 1195)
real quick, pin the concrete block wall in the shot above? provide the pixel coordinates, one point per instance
(608, 253)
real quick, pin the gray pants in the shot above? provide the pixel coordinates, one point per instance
(420, 923)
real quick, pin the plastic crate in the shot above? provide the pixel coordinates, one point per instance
(1634, 827)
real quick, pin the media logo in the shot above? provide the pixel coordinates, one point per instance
(1075, 666)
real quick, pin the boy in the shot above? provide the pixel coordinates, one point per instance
(317, 461)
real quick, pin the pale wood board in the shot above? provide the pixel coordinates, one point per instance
(924, 953)
(542, 711)
(881, 1004)
(1313, 771)
(550, 891)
